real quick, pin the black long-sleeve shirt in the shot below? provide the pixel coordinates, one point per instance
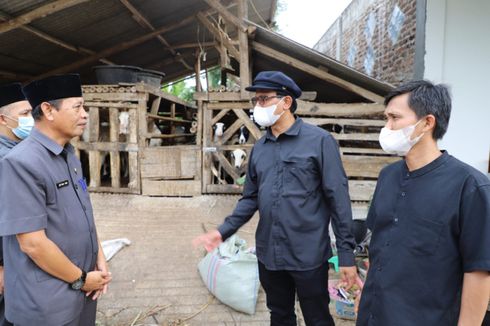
(298, 184)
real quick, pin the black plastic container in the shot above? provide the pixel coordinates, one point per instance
(150, 77)
(114, 74)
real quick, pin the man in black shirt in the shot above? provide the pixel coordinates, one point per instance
(430, 221)
(296, 180)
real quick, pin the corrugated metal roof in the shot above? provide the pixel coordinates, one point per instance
(101, 24)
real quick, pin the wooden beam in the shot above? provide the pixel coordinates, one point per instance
(52, 39)
(345, 122)
(143, 21)
(224, 38)
(314, 71)
(245, 75)
(37, 13)
(158, 117)
(227, 15)
(338, 109)
(14, 75)
(193, 45)
(117, 48)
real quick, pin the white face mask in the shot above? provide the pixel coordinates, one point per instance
(265, 116)
(398, 141)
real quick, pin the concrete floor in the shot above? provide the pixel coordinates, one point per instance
(157, 274)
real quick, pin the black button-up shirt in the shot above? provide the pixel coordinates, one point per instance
(430, 226)
(297, 183)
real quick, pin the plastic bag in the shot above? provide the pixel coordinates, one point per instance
(111, 247)
(231, 274)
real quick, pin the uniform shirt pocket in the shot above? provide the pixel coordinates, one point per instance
(424, 236)
(300, 177)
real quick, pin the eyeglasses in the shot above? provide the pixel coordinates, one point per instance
(262, 99)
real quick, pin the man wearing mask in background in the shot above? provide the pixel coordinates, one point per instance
(55, 268)
(296, 180)
(430, 221)
(16, 123)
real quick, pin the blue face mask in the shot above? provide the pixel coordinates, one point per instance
(24, 127)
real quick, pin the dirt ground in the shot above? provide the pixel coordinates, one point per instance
(155, 279)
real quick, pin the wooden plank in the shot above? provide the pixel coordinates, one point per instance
(106, 105)
(357, 150)
(366, 166)
(245, 77)
(152, 187)
(338, 109)
(356, 136)
(317, 72)
(168, 136)
(114, 97)
(107, 147)
(114, 155)
(114, 190)
(230, 131)
(229, 105)
(227, 15)
(226, 165)
(220, 115)
(14, 75)
(308, 95)
(37, 13)
(161, 163)
(94, 168)
(93, 121)
(252, 128)
(133, 124)
(220, 96)
(206, 175)
(219, 36)
(133, 170)
(361, 190)
(145, 88)
(223, 189)
(346, 122)
(155, 105)
(159, 117)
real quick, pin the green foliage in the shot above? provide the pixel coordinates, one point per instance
(181, 90)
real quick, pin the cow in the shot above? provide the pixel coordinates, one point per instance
(238, 156)
(244, 134)
(218, 128)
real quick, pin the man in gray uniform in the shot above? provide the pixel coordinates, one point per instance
(16, 123)
(54, 265)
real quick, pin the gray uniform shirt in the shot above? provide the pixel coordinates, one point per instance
(43, 188)
(6, 144)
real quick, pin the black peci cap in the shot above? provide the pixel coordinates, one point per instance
(11, 93)
(53, 88)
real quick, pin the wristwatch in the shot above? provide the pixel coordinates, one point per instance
(79, 283)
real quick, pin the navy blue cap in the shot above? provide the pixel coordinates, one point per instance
(275, 81)
(53, 88)
(11, 93)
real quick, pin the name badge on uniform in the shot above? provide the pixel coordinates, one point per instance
(83, 184)
(62, 184)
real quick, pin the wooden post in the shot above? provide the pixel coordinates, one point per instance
(137, 118)
(243, 48)
(114, 138)
(94, 155)
(172, 115)
(207, 137)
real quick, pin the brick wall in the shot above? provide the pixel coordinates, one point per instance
(376, 37)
